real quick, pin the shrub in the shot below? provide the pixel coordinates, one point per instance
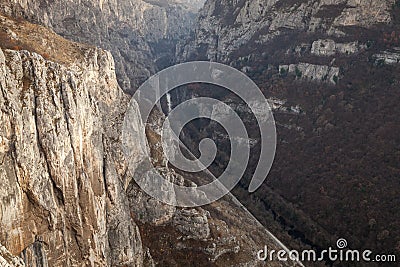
(380, 62)
(283, 72)
(16, 47)
(46, 56)
(336, 79)
(298, 73)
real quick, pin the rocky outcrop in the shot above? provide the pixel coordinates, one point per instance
(319, 73)
(140, 34)
(388, 57)
(9, 260)
(364, 13)
(329, 47)
(192, 223)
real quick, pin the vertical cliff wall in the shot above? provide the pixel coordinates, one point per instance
(62, 198)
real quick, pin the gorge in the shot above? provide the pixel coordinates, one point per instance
(329, 69)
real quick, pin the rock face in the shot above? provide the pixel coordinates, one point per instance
(140, 34)
(329, 47)
(312, 34)
(388, 57)
(312, 72)
(192, 223)
(62, 196)
(9, 260)
(226, 27)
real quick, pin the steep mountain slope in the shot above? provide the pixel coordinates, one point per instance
(62, 199)
(331, 70)
(140, 34)
(67, 195)
(229, 29)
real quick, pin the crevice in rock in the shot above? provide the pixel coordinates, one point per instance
(58, 191)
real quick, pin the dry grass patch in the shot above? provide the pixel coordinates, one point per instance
(22, 35)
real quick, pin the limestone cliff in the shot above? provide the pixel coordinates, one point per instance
(306, 34)
(140, 33)
(61, 192)
(225, 29)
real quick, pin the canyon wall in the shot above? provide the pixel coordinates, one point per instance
(140, 34)
(67, 195)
